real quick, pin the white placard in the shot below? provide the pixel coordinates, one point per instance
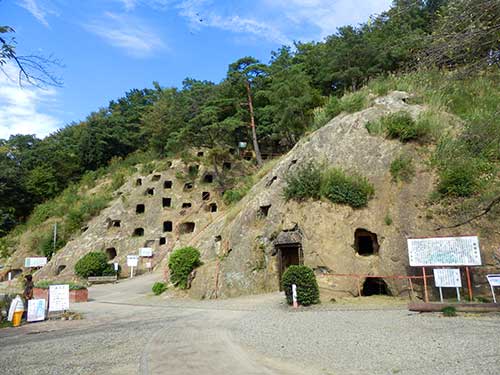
(494, 280)
(36, 310)
(132, 260)
(444, 251)
(35, 262)
(58, 297)
(145, 252)
(447, 278)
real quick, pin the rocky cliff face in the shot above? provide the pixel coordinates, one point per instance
(160, 211)
(245, 253)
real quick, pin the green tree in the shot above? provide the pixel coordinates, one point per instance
(246, 72)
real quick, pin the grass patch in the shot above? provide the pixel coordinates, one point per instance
(353, 190)
(315, 181)
(349, 103)
(449, 311)
(303, 183)
(402, 169)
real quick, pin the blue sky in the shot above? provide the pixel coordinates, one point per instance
(108, 47)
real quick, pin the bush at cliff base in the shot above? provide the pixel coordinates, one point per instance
(307, 287)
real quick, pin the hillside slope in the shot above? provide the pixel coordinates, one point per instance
(243, 254)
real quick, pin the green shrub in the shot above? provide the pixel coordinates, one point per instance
(400, 125)
(93, 264)
(349, 103)
(354, 190)
(458, 180)
(158, 288)
(402, 169)
(304, 182)
(449, 311)
(181, 263)
(307, 287)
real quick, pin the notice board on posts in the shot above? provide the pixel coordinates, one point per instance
(444, 251)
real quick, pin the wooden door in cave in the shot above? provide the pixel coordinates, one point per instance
(289, 255)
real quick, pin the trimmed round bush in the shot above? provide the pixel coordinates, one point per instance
(93, 264)
(307, 287)
(181, 263)
(158, 288)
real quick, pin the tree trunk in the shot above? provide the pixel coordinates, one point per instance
(252, 125)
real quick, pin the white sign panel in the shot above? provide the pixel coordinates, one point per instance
(36, 310)
(447, 278)
(132, 260)
(494, 280)
(145, 252)
(444, 251)
(58, 297)
(35, 262)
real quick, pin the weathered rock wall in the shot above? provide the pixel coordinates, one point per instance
(247, 260)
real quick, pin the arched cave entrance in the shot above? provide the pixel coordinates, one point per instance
(60, 268)
(365, 242)
(111, 253)
(374, 286)
(138, 232)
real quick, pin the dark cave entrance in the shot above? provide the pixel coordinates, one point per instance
(365, 242)
(375, 286)
(289, 255)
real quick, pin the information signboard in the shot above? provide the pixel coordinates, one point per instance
(132, 260)
(494, 281)
(145, 252)
(35, 262)
(444, 251)
(36, 310)
(447, 278)
(58, 297)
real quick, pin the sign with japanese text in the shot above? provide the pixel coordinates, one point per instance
(58, 297)
(132, 260)
(447, 278)
(444, 251)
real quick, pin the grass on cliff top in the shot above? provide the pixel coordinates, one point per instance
(467, 153)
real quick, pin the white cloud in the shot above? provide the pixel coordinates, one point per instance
(200, 14)
(21, 107)
(37, 12)
(128, 33)
(39, 9)
(327, 15)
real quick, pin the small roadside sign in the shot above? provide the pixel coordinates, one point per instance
(58, 297)
(145, 252)
(36, 310)
(494, 281)
(132, 260)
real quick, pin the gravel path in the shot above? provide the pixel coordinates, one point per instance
(127, 331)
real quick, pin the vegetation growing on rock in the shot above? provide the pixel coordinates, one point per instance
(181, 263)
(314, 181)
(305, 280)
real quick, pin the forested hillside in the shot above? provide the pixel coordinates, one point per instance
(446, 52)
